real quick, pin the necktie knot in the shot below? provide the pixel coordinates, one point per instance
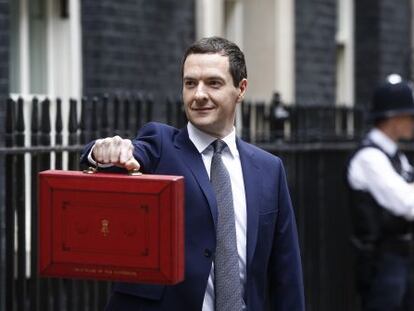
(219, 146)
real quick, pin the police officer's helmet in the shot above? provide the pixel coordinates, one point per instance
(392, 98)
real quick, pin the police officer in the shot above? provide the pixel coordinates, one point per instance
(382, 200)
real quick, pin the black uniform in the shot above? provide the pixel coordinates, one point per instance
(383, 243)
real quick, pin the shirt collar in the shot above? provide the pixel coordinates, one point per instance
(383, 141)
(202, 140)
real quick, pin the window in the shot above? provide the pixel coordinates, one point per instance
(45, 47)
(345, 53)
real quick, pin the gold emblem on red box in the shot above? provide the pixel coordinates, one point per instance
(105, 227)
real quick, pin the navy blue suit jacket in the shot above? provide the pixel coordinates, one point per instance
(274, 276)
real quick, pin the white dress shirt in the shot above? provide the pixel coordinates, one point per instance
(231, 160)
(371, 170)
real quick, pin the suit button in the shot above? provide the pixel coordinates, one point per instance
(207, 253)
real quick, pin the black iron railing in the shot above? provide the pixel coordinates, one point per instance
(312, 141)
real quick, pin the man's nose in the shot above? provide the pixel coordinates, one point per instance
(201, 93)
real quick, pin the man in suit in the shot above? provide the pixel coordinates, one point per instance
(262, 230)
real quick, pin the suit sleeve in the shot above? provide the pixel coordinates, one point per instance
(148, 146)
(85, 152)
(286, 288)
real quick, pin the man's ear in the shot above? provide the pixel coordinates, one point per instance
(242, 88)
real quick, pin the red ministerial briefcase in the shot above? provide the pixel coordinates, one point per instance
(111, 226)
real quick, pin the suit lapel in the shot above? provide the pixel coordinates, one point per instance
(253, 186)
(192, 158)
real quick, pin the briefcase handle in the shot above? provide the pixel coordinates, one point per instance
(93, 170)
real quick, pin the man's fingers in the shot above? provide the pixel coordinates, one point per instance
(97, 150)
(126, 151)
(105, 153)
(115, 149)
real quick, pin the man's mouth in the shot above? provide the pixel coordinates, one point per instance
(202, 108)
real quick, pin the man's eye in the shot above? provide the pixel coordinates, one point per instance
(215, 83)
(189, 83)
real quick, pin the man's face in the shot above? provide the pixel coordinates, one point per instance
(405, 126)
(209, 95)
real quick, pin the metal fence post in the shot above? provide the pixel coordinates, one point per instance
(19, 179)
(34, 280)
(10, 291)
(58, 133)
(73, 126)
(104, 129)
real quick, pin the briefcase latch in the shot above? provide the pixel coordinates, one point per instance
(134, 172)
(93, 170)
(90, 170)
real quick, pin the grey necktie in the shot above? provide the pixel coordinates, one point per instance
(227, 286)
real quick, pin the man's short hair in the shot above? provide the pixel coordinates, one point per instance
(218, 45)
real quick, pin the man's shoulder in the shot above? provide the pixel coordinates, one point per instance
(364, 159)
(366, 149)
(158, 128)
(258, 152)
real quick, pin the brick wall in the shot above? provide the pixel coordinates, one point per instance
(395, 35)
(4, 89)
(4, 61)
(382, 43)
(315, 22)
(135, 45)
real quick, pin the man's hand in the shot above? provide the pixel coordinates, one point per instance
(116, 151)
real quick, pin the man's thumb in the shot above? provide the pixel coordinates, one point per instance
(132, 164)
